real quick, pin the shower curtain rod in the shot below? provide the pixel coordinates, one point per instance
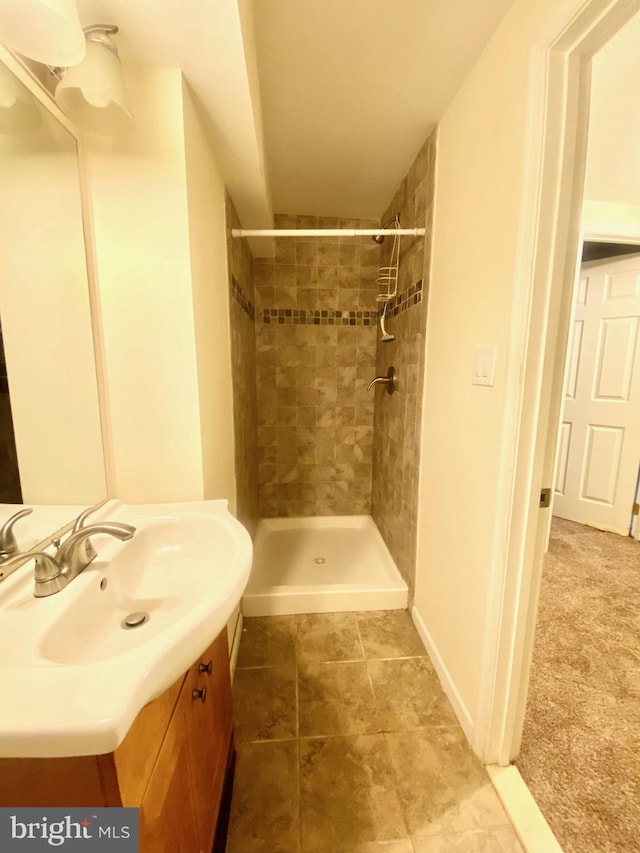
(327, 232)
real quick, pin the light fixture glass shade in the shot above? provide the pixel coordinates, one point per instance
(93, 93)
(48, 31)
(19, 111)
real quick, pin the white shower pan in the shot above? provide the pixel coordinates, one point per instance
(321, 565)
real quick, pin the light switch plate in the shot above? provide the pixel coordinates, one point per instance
(484, 366)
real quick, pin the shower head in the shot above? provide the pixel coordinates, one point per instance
(395, 221)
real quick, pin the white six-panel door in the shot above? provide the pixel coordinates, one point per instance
(599, 442)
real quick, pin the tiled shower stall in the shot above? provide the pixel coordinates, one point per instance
(310, 439)
(315, 342)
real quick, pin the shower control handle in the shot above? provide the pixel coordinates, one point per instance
(390, 380)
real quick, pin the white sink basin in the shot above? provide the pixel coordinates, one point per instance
(73, 678)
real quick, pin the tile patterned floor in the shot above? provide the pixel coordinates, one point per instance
(346, 742)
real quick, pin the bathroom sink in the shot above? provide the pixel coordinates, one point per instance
(74, 673)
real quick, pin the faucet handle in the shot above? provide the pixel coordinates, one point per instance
(80, 520)
(78, 524)
(8, 544)
(46, 568)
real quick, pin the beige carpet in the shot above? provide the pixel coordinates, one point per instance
(581, 747)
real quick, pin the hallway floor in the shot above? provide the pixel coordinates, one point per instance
(581, 738)
(346, 742)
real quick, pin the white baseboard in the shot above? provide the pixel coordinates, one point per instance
(448, 685)
(530, 824)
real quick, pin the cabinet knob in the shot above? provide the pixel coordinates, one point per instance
(205, 667)
(199, 694)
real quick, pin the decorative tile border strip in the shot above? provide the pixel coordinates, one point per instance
(405, 300)
(310, 317)
(242, 299)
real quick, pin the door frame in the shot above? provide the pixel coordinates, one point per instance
(550, 236)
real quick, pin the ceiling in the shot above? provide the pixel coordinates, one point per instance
(337, 95)
(351, 88)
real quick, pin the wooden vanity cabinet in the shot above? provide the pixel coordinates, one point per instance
(208, 744)
(172, 764)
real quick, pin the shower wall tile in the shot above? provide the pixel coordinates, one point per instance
(243, 360)
(396, 448)
(316, 320)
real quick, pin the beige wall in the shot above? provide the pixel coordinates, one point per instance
(609, 219)
(164, 430)
(208, 254)
(612, 173)
(465, 475)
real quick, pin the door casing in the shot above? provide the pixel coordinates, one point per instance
(550, 234)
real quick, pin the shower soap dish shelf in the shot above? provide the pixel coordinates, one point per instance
(387, 278)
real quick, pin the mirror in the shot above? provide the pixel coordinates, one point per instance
(45, 309)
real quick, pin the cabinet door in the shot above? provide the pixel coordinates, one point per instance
(167, 816)
(209, 738)
(137, 754)
(85, 780)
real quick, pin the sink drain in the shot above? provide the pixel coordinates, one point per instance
(319, 561)
(135, 620)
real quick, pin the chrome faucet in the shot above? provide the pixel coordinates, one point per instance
(53, 574)
(72, 557)
(8, 544)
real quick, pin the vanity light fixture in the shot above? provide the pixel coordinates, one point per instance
(47, 31)
(93, 93)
